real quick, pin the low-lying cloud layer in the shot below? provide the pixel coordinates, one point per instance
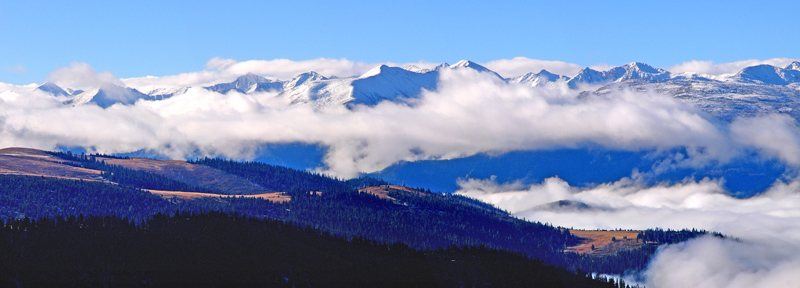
(469, 113)
(768, 225)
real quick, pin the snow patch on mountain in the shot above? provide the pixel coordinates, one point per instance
(768, 74)
(415, 69)
(725, 100)
(638, 70)
(391, 83)
(164, 93)
(441, 66)
(106, 95)
(793, 66)
(541, 79)
(53, 89)
(630, 71)
(247, 83)
(303, 78)
(322, 93)
(474, 66)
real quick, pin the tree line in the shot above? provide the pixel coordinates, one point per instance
(669, 236)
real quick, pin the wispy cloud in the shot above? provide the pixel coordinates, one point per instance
(17, 69)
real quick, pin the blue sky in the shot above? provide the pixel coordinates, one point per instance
(134, 39)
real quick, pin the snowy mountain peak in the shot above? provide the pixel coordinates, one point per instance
(441, 66)
(390, 83)
(638, 70)
(541, 79)
(303, 78)
(768, 74)
(469, 64)
(463, 63)
(551, 76)
(639, 66)
(53, 89)
(164, 93)
(630, 71)
(247, 83)
(249, 79)
(106, 95)
(794, 66)
(389, 72)
(475, 66)
(586, 76)
(374, 71)
(414, 68)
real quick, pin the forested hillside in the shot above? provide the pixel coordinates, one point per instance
(213, 249)
(421, 220)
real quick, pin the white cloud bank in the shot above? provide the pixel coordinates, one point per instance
(81, 76)
(768, 225)
(469, 113)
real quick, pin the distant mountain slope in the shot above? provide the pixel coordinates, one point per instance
(386, 83)
(247, 83)
(541, 79)
(725, 100)
(466, 64)
(53, 89)
(106, 95)
(793, 66)
(630, 71)
(390, 83)
(768, 74)
(303, 78)
(164, 93)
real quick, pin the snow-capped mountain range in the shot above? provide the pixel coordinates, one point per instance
(752, 90)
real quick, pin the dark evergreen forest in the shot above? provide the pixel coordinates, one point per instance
(219, 249)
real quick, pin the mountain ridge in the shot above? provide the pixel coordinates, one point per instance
(396, 84)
